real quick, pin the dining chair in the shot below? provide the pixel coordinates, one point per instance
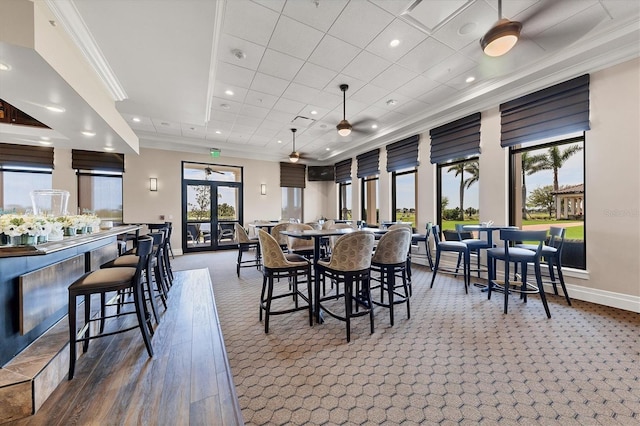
(349, 265)
(276, 232)
(552, 254)
(245, 244)
(390, 262)
(408, 259)
(109, 280)
(511, 254)
(458, 247)
(301, 246)
(276, 265)
(474, 244)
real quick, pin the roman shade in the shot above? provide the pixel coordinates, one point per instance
(555, 111)
(97, 161)
(456, 140)
(292, 175)
(403, 154)
(26, 156)
(369, 163)
(343, 171)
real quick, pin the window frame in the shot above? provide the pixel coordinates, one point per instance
(394, 207)
(99, 173)
(363, 199)
(343, 186)
(439, 167)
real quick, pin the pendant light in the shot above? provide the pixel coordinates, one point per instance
(344, 128)
(294, 156)
(502, 36)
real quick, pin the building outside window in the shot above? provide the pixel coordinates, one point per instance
(344, 203)
(547, 189)
(404, 196)
(458, 195)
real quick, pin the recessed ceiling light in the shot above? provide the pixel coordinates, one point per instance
(314, 112)
(228, 92)
(43, 142)
(394, 43)
(239, 54)
(54, 108)
(391, 102)
(88, 133)
(136, 119)
(374, 126)
(109, 148)
(45, 138)
(4, 67)
(470, 79)
(279, 141)
(218, 132)
(327, 149)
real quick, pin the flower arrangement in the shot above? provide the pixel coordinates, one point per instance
(31, 229)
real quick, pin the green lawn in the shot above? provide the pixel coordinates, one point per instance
(572, 232)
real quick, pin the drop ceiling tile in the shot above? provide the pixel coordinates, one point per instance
(244, 127)
(425, 55)
(432, 14)
(275, 5)
(394, 7)
(270, 127)
(254, 111)
(327, 99)
(621, 9)
(400, 101)
(234, 75)
(259, 99)
(319, 16)
(222, 115)
(289, 106)
(467, 27)
(262, 21)
(294, 38)
(366, 66)
(252, 52)
(411, 107)
(333, 53)
(320, 112)
(239, 93)
(566, 33)
(300, 92)
(227, 105)
(441, 93)
(360, 22)
(280, 65)
(167, 127)
(313, 75)
(417, 86)
(546, 14)
(334, 85)
(193, 131)
(408, 35)
(369, 94)
(394, 77)
(219, 125)
(280, 117)
(452, 67)
(268, 84)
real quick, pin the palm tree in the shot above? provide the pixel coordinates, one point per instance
(554, 161)
(459, 169)
(530, 165)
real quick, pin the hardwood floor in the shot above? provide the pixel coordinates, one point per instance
(187, 381)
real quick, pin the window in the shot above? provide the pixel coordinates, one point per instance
(404, 196)
(370, 203)
(458, 195)
(16, 184)
(547, 188)
(100, 193)
(292, 204)
(344, 203)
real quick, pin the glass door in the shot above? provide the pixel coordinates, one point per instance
(197, 234)
(227, 209)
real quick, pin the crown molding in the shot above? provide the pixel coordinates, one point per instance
(67, 14)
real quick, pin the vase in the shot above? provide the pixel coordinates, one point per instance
(42, 239)
(28, 240)
(69, 231)
(4, 240)
(81, 230)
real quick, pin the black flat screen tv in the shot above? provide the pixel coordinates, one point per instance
(320, 173)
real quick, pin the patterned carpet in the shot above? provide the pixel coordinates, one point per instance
(458, 360)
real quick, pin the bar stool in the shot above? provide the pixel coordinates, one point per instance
(474, 244)
(279, 237)
(390, 259)
(300, 246)
(408, 261)
(511, 254)
(349, 264)
(244, 244)
(451, 246)
(276, 265)
(104, 281)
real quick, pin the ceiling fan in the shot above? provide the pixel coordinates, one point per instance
(502, 36)
(209, 171)
(295, 155)
(344, 127)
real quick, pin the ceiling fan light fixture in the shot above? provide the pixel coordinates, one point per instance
(344, 128)
(294, 157)
(501, 37)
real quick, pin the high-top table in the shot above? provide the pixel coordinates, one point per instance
(488, 229)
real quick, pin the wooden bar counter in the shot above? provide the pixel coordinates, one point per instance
(33, 298)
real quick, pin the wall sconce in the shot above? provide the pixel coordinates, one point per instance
(263, 189)
(153, 184)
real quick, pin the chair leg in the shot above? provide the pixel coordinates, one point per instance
(72, 334)
(367, 284)
(309, 293)
(552, 276)
(264, 289)
(87, 317)
(390, 281)
(268, 307)
(348, 304)
(467, 271)
(435, 268)
(143, 320)
(543, 296)
(506, 287)
(561, 278)
(239, 260)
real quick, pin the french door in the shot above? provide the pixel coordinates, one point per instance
(210, 212)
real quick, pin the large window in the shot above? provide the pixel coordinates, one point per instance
(15, 186)
(547, 189)
(458, 196)
(404, 196)
(370, 202)
(292, 204)
(100, 193)
(346, 212)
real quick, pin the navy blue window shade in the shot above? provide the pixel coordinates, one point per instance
(343, 171)
(403, 154)
(456, 140)
(369, 163)
(555, 111)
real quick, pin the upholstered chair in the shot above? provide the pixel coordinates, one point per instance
(280, 238)
(276, 265)
(244, 244)
(300, 246)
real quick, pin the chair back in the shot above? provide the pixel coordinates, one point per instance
(352, 252)
(143, 250)
(328, 224)
(314, 225)
(435, 230)
(462, 233)
(192, 232)
(298, 244)
(400, 226)
(334, 238)
(272, 255)
(510, 236)
(393, 247)
(275, 233)
(556, 238)
(241, 234)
